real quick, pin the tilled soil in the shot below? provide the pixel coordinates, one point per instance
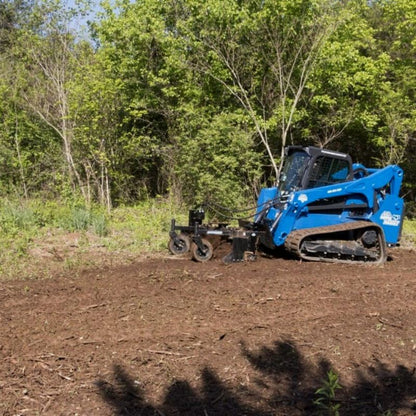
(168, 336)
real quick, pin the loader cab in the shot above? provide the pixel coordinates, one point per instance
(312, 167)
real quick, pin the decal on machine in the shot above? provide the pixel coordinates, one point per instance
(302, 198)
(390, 219)
(331, 191)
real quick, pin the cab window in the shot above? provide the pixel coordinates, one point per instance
(327, 171)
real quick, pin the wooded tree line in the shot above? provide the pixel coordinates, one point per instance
(197, 98)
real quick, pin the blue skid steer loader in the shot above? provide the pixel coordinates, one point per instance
(325, 208)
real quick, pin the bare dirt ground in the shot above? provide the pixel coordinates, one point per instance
(168, 336)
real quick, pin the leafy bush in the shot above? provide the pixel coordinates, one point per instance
(218, 162)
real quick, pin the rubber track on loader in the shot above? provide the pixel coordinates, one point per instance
(295, 238)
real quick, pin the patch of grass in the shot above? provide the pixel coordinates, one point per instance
(41, 238)
(80, 219)
(144, 227)
(99, 225)
(409, 232)
(15, 217)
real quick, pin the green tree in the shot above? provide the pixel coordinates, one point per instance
(24, 160)
(262, 54)
(170, 111)
(345, 85)
(138, 56)
(198, 98)
(50, 61)
(394, 24)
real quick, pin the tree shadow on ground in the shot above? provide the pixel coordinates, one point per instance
(286, 385)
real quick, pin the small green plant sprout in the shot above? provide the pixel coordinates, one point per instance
(325, 400)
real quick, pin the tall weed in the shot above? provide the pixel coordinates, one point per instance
(15, 216)
(145, 226)
(33, 227)
(409, 232)
(99, 224)
(80, 219)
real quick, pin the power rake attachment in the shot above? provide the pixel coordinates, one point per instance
(200, 239)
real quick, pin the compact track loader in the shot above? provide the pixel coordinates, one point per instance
(324, 208)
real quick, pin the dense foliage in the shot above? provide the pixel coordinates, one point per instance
(197, 98)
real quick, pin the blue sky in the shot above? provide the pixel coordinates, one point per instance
(72, 3)
(81, 26)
